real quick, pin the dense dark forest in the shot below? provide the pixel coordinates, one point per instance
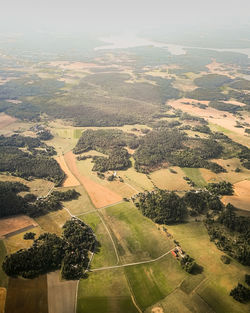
(162, 207)
(49, 252)
(29, 162)
(12, 204)
(175, 148)
(110, 142)
(231, 233)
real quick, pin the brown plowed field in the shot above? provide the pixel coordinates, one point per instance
(12, 224)
(99, 195)
(70, 180)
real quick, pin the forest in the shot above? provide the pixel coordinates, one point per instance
(175, 148)
(11, 203)
(50, 252)
(109, 142)
(32, 163)
(162, 207)
(231, 233)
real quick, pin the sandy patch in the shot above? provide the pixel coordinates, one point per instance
(61, 294)
(6, 120)
(11, 225)
(241, 197)
(73, 65)
(100, 195)
(212, 115)
(220, 69)
(2, 299)
(157, 309)
(70, 180)
(14, 101)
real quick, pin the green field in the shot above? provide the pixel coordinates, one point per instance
(152, 282)
(220, 278)
(106, 256)
(136, 237)
(27, 295)
(195, 175)
(105, 292)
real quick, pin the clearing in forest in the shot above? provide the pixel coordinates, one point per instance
(241, 197)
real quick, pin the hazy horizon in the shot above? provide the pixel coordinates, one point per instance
(115, 16)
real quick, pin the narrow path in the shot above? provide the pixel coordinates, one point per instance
(132, 264)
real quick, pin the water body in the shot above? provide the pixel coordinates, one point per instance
(131, 41)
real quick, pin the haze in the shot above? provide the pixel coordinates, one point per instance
(113, 15)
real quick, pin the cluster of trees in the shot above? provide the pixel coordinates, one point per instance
(162, 207)
(68, 195)
(240, 293)
(201, 202)
(222, 188)
(50, 252)
(110, 142)
(80, 240)
(33, 163)
(30, 143)
(212, 81)
(188, 263)
(222, 106)
(45, 255)
(176, 148)
(202, 94)
(12, 204)
(231, 234)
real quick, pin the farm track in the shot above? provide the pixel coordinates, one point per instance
(132, 264)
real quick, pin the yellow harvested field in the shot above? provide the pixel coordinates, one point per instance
(2, 299)
(16, 242)
(70, 180)
(6, 120)
(164, 179)
(241, 197)
(53, 221)
(100, 195)
(14, 224)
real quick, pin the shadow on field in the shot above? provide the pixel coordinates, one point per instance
(198, 269)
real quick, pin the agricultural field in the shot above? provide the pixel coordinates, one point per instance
(53, 222)
(165, 179)
(27, 295)
(106, 291)
(219, 278)
(137, 238)
(61, 294)
(12, 225)
(106, 256)
(164, 112)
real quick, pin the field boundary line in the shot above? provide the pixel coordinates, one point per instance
(132, 264)
(111, 238)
